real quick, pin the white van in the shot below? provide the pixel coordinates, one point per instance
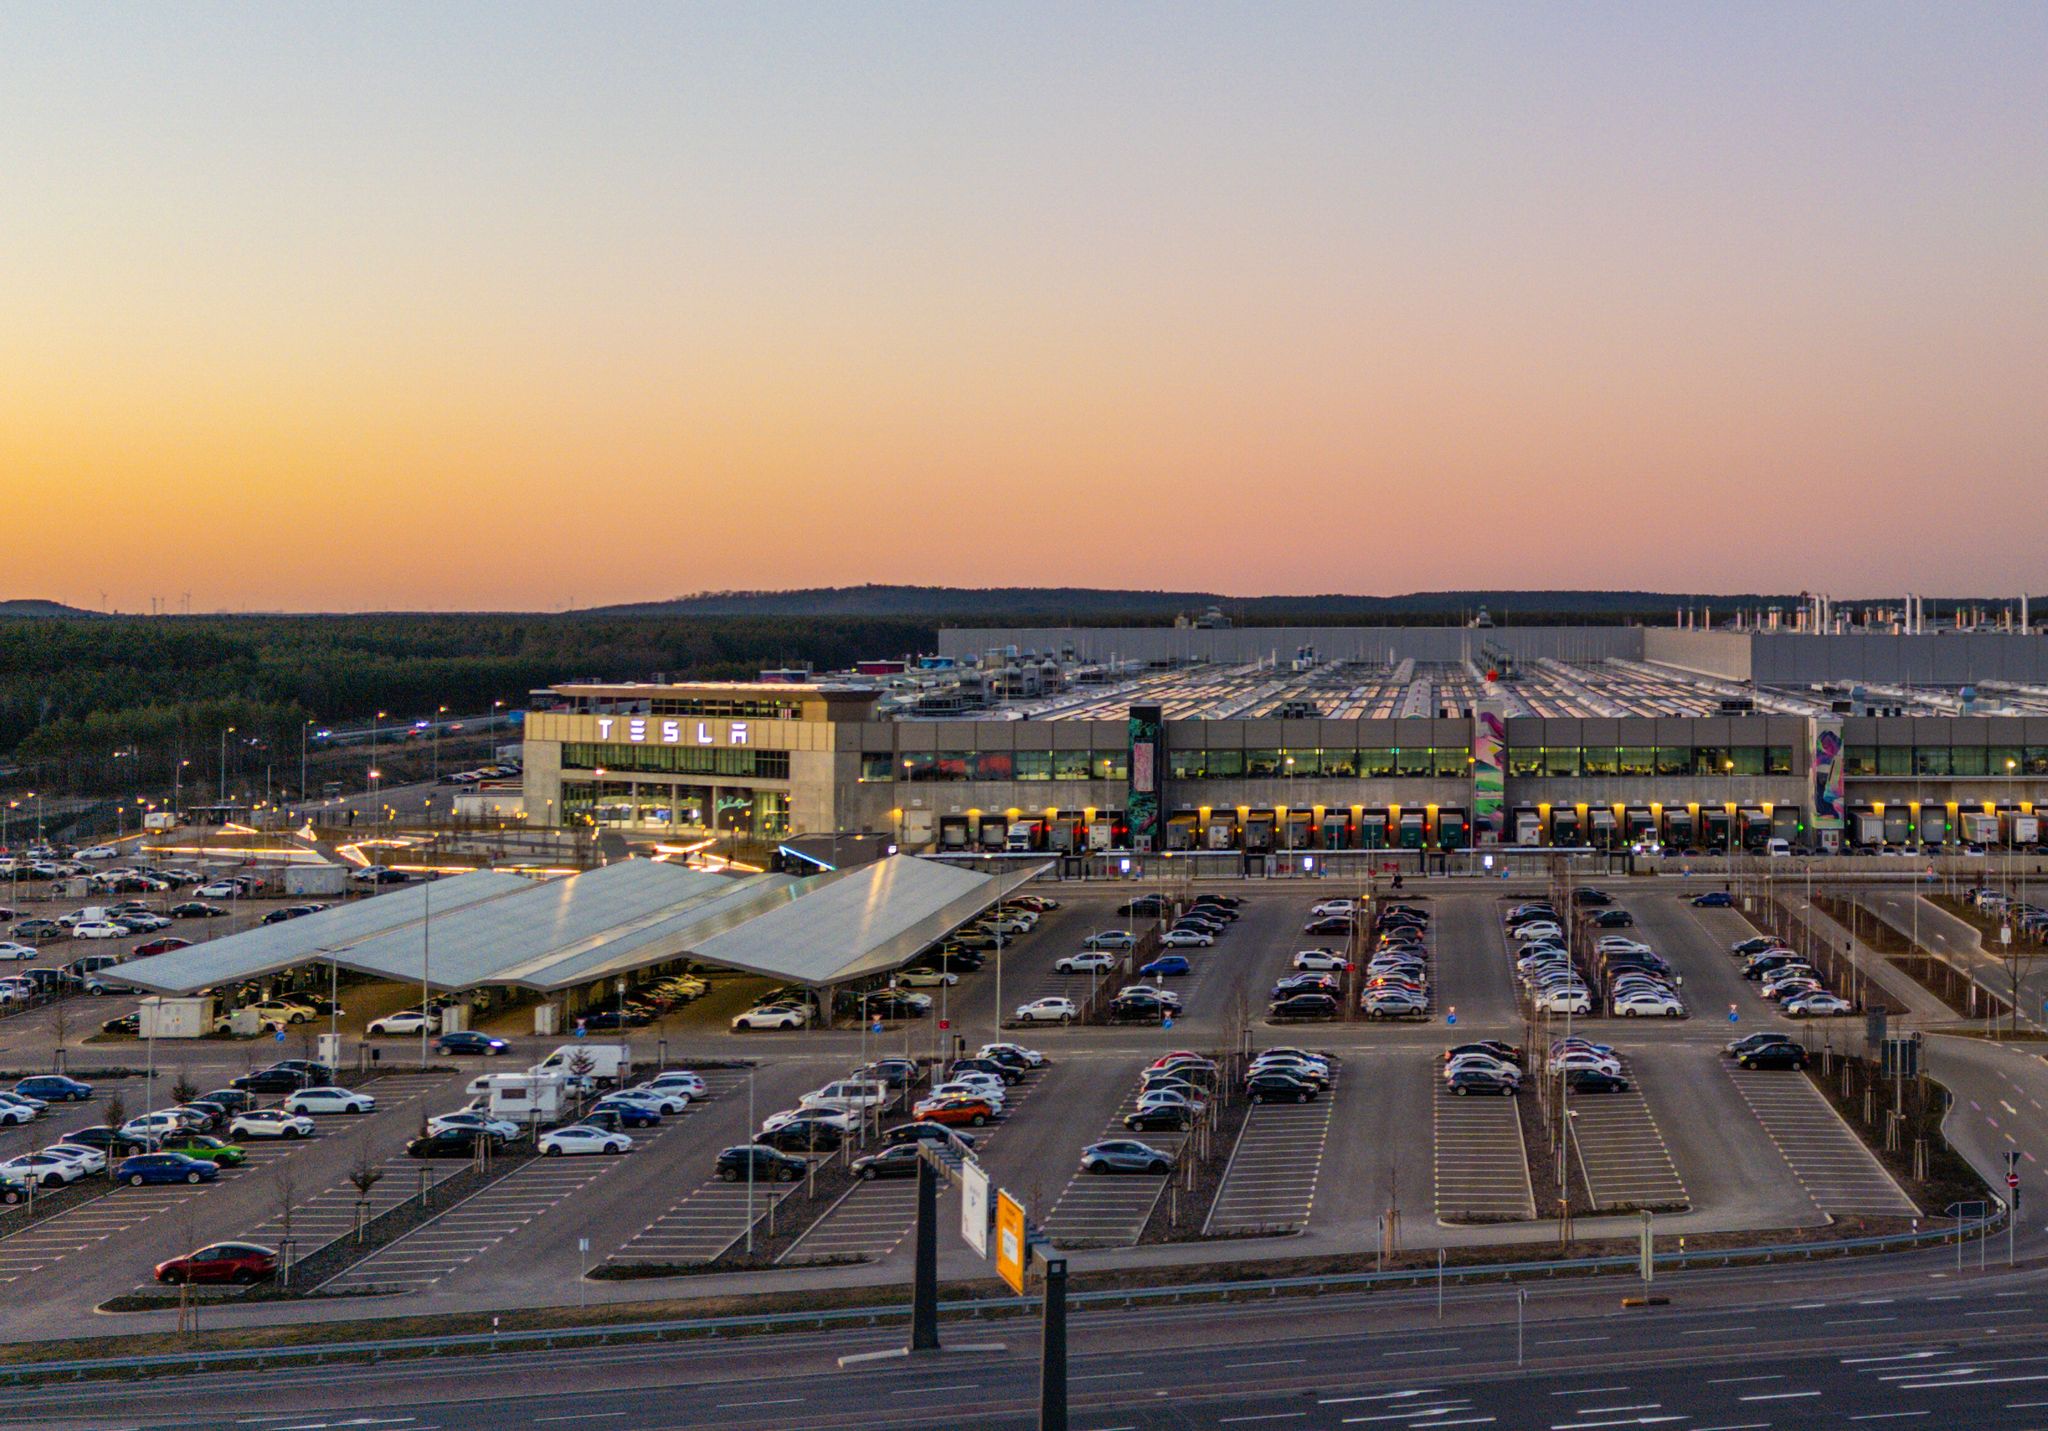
(608, 1061)
(850, 1095)
(1777, 847)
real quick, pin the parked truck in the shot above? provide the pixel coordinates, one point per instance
(316, 879)
(1979, 828)
(2022, 829)
(531, 1100)
(1869, 828)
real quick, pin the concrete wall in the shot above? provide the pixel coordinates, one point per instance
(1945, 660)
(1724, 654)
(1239, 645)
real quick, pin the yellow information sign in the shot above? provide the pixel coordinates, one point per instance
(1010, 1241)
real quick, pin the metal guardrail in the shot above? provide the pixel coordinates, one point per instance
(550, 1338)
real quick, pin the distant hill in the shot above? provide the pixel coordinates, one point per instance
(25, 606)
(1010, 604)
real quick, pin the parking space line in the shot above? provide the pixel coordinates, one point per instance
(1270, 1180)
(1838, 1173)
(1622, 1153)
(1481, 1165)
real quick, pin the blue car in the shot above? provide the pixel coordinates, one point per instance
(54, 1088)
(147, 1168)
(1714, 899)
(1167, 964)
(630, 1114)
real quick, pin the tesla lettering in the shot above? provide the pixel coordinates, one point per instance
(604, 727)
(739, 733)
(636, 729)
(671, 732)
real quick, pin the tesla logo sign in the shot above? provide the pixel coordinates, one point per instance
(638, 730)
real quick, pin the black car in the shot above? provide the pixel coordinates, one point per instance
(803, 1137)
(896, 1072)
(196, 909)
(1751, 1042)
(629, 1018)
(1136, 1009)
(1328, 924)
(1304, 1006)
(235, 1100)
(1593, 1080)
(1222, 901)
(1145, 906)
(1774, 1055)
(281, 1078)
(937, 1134)
(611, 1120)
(1586, 894)
(1493, 1046)
(456, 1142)
(1158, 1120)
(1614, 919)
(468, 1041)
(894, 1004)
(111, 1141)
(899, 1160)
(129, 1024)
(1009, 1058)
(1276, 1087)
(766, 1163)
(1478, 1080)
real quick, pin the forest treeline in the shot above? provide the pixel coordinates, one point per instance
(73, 693)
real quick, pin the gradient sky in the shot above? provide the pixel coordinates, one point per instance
(516, 305)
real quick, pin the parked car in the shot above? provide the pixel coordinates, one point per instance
(147, 1168)
(456, 1142)
(1124, 1155)
(1166, 966)
(576, 1140)
(239, 1263)
(1714, 899)
(1091, 961)
(329, 1100)
(761, 1163)
(54, 1088)
(1048, 1011)
(270, 1123)
(785, 1017)
(1773, 1055)
(204, 1146)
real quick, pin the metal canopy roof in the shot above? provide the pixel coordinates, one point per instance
(491, 928)
(859, 921)
(310, 938)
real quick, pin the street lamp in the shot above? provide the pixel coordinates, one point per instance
(224, 763)
(439, 711)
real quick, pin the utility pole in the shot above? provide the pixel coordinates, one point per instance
(1052, 1363)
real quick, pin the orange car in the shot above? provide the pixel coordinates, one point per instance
(972, 1111)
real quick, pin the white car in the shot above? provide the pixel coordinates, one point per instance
(1186, 939)
(786, 1018)
(100, 852)
(91, 1159)
(100, 929)
(1482, 1062)
(848, 1095)
(925, 978)
(1564, 1001)
(1333, 906)
(1817, 1005)
(960, 1088)
(662, 1100)
(1169, 1098)
(144, 923)
(219, 889)
(41, 1169)
(270, 1123)
(11, 1113)
(577, 1139)
(405, 1021)
(1577, 1060)
(10, 950)
(472, 1118)
(1622, 944)
(676, 1081)
(1327, 961)
(844, 1122)
(1111, 939)
(1091, 961)
(149, 1125)
(1047, 1011)
(1528, 932)
(329, 1100)
(1640, 1002)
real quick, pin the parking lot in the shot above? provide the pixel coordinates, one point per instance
(1269, 1184)
(1830, 1162)
(1482, 1169)
(1111, 1209)
(1621, 1151)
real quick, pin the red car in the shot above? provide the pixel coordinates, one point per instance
(237, 1262)
(162, 946)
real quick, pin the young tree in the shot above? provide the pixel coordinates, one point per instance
(184, 1090)
(365, 1175)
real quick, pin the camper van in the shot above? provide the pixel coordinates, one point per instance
(609, 1062)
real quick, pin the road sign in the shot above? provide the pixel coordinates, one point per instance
(945, 1023)
(580, 1030)
(1166, 1021)
(1452, 1017)
(2012, 1180)
(974, 1207)
(279, 1035)
(875, 1027)
(582, 1244)
(1010, 1241)
(1733, 1016)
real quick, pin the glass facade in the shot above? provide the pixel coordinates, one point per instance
(650, 806)
(1967, 761)
(678, 760)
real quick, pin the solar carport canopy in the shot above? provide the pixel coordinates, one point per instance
(312, 937)
(491, 928)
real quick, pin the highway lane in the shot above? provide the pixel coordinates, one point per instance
(1942, 1352)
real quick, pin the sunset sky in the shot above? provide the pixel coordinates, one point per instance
(502, 305)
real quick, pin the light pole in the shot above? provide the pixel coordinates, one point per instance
(439, 712)
(373, 756)
(224, 763)
(426, 954)
(304, 726)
